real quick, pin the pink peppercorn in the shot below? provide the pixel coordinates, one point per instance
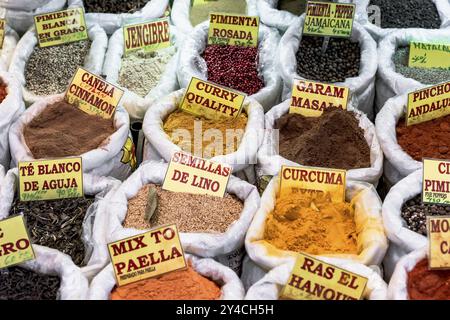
(234, 67)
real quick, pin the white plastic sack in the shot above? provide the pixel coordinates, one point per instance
(273, 17)
(231, 286)
(158, 145)
(132, 102)
(269, 162)
(361, 87)
(442, 6)
(103, 161)
(9, 45)
(371, 241)
(389, 83)
(110, 22)
(191, 64)
(398, 164)
(94, 225)
(74, 285)
(209, 245)
(271, 285)
(10, 109)
(181, 13)
(398, 286)
(251, 273)
(26, 45)
(402, 240)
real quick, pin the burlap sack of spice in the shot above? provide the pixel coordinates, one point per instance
(9, 45)
(271, 285)
(10, 109)
(269, 162)
(133, 102)
(106, 160)
(94, 225)
(390, 83)
(181, 12)
(371, 242)
(191, 64)
(110, 22)
(19, 13)
(220, 246)
(74, 285)
(93, 61)
(397, 163)
(378, 33)
(231, 286)
(361, 87)
(272, 17)
(398, 289)
(159, 146)
(402, 240)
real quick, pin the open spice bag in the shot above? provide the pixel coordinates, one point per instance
(270, 161)
(158, 144)
(230, 286)
(110, 22)
(390, 82)
(9, 45)
(364, 14)
(93, 61)
(110, 158)
(271, 285)
(133, 102)
(11, 108)
(371, 242)
(181, 12)
(91, 232)
(362, 87)
(192, 64)
(398, 164)
(274, 17)
(225, 247)
(73, 285)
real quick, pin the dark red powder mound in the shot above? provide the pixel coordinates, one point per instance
(424, 284)
(234, 67)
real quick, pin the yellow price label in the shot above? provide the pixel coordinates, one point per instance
(328, 19)
(313, 279)
(312, 179)
(438, 228)
(233, 30)
(60, 27)
(93, 95)
(191, 174)
(428, 104)
(212, 101)
(429, 55)
(310, 98)
(436, 181)
(15, 245)
(147, 255)
(50, 179)
(2, 32)
(149, 36)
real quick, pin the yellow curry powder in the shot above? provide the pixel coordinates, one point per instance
(311, 223)
(214, 137)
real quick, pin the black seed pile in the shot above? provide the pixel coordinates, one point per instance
(57, 224)
(408, 14)
(17, 283)
(415, 213)
(114, 6)
(341, 60)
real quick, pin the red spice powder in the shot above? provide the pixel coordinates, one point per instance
(3, 92)
(429, 139)
(424, 284)
(234, 67)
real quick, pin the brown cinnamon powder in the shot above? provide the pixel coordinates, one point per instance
(63, 130)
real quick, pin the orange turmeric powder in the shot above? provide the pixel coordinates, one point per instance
(311, 223)
(214, 137)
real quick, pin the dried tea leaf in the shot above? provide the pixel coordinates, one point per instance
(152, 204)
